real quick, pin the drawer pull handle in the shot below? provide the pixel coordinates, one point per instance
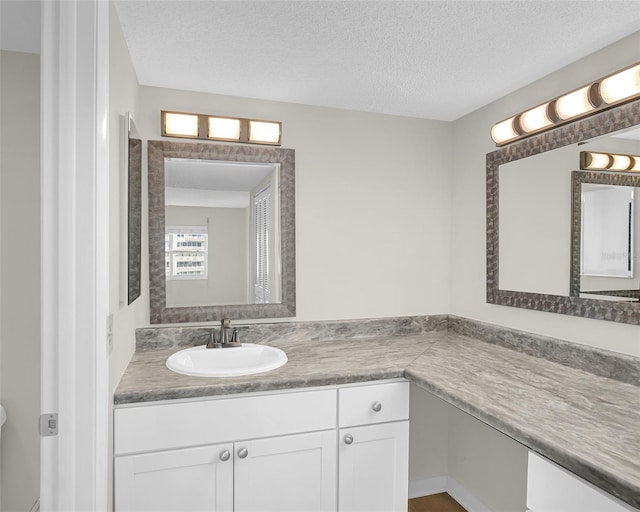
(376, 406)
(225, 455)
(348, 439)
(243, 452)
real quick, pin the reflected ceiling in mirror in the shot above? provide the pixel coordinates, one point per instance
(519, 245)
(221, 232)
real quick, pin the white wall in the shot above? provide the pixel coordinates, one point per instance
(373, 203)
(471, 143)
(20, 275)
(123, 97)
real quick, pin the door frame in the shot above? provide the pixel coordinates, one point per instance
(75, 252)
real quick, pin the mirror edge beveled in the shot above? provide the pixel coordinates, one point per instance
(578, 178)
(157, 151)
(615, 119)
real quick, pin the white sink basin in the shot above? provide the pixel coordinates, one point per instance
(226, 362)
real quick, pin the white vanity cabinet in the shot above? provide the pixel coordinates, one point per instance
(188, 479)
(292, 473)
(373, 448)
(268, 452)
(551, 488)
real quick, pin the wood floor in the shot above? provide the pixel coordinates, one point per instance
(435, 503)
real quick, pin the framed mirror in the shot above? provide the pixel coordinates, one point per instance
(529, 233)
(133, 197)
(221, 232)
(605, 238)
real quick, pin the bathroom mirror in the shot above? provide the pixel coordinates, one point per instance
(221, 231)
(529, 237)
(605, 236)
(133, 195)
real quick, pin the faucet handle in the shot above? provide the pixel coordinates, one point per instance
(234, 335)
(212, 339)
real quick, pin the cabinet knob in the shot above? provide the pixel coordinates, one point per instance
(243, 452)
(348, 439)
(225, 455)
(376, 406)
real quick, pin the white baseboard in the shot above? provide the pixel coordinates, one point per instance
(427, 486)
(437, 484)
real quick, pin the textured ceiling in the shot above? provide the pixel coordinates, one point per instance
(429, 59)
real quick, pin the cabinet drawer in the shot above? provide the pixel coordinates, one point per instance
(194, 423)
(374, 403)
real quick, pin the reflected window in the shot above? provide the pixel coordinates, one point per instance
(186, 252)
(262, 223)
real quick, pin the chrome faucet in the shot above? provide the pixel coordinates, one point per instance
(224, 342)
(224, 329)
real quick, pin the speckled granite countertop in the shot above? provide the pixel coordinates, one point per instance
(585, 423)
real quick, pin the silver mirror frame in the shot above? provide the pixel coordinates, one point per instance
(157, 151)
(605, 122)
(603, 178)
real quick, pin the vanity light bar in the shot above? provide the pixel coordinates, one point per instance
(607, 92)
(228, 129)
(597, 161)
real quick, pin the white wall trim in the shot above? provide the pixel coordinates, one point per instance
(438, 484)
(427, 486)
(75, 163)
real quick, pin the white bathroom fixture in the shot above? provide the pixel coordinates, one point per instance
(229, 129)
(247, 359)
(610, 91)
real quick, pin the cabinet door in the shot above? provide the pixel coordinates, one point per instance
(286, 474)
(374, 467)
(177, 480)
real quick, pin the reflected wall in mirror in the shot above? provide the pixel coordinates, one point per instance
(529, 212)
(221, 232)
(133, 184)
(222, 240)
(605, 236)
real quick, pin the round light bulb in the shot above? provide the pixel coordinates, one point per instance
(535, 119)
(621, 86)
(636, 164)
(620, 162)
(503, 131)
(574, 104)
(598, 161)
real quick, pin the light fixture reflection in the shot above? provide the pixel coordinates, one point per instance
(620, 162)
(592, 161)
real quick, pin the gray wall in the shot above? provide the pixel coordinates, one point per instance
(471, 144)
(20, 278)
